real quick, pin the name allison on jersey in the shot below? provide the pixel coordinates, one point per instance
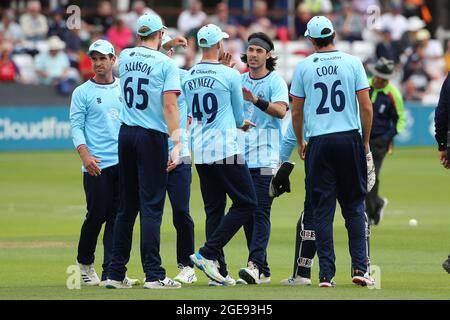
(138, 66)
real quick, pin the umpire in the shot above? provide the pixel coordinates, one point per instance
(441, 125)
(388, 120)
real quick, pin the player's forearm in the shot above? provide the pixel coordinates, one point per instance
(172, 116)
(297, 118)
(366, 113)
(366, 122)
(276, 110)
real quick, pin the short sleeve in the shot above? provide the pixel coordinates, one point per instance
(362, 83)
(298, 86)
(279, 90)
(172, 78)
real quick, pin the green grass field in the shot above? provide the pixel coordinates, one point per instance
(42, 209)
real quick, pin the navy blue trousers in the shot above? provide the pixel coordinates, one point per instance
(231, 178)
(257, 228)
(143, 182)
(179, 191)
(102, 203)
(337, 169)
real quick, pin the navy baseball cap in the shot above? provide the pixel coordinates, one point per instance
(103, 47)
(151, 21)
(316, 27)
(209, 35)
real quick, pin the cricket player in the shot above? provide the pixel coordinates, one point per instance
(442, 134)
(150, 82)
(266, 98)
(331, 103)
(179, 181)
(94, 120)
(214, 94)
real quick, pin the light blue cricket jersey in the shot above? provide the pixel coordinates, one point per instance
(329, 82)
(213, 93)
(145, 74)
(182, 107)
(94, 119)
(261, 145)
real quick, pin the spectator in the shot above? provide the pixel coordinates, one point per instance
(103, 16)
(302, 18)
(224, 21)
(120, 35)
(361, 6)
(318, 6)
(447, 58)
(8, 69)
(33, 23)
(73, 46)
(385, 47)
(191, 18)
(57, 25)
(409, 38)
(260, 22)
(139, 8)
(53, 67)
(11, 30)
(349, 24)
(416, 80)
(433, 51)
(394, 21)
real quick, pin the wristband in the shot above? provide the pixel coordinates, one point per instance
(262, 104)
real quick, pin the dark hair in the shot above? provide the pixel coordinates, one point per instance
(323, 42)
(272, 61)
(262, 36)
(151, 36)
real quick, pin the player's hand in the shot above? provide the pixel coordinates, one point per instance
(247, 125)
(91, 165)
(226, 58)
(174, 158)
(178, 41)
(302, 149)
(443, 157)
(248, 95)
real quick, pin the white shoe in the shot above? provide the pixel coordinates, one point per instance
(88, 274)
(263, 279)
(212, 283)
(297, 281)
(209, 267)
(363, 279)
(241, 281)
(186, 275)
(250, 274)
(167, 283)
(113, 284)
(229, 281)
(132, 282)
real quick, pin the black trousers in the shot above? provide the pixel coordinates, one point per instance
(102, 202)
(379, 147)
